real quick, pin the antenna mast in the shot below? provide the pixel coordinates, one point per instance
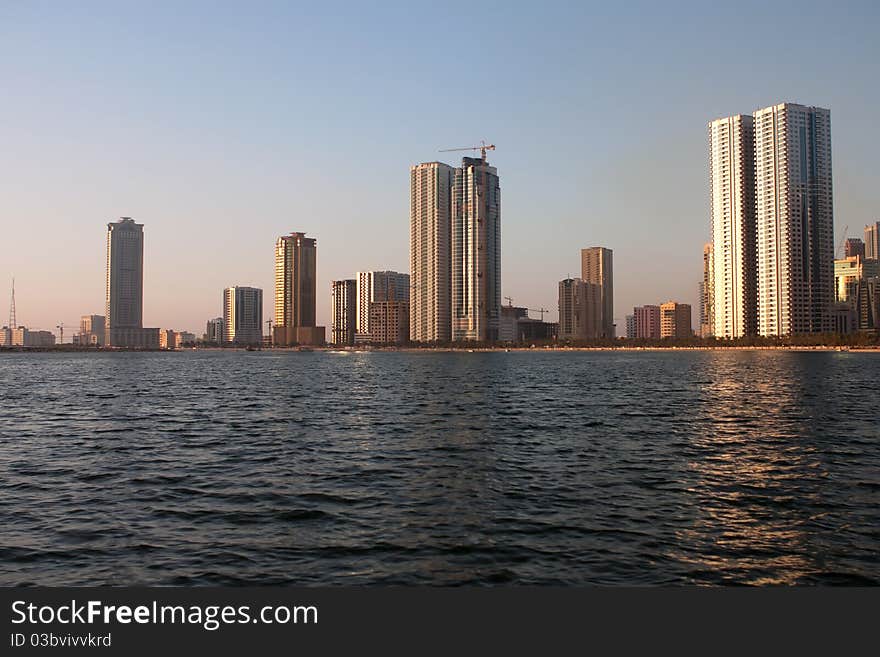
(12, 320)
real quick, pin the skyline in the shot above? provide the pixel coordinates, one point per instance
(214, 189)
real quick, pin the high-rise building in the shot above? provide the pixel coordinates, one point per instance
(675, 320)
(430, 221)
(647, 322)
(854, 247)
(295, 289)
(795, 219)
(707, 293)
(242, 315)
(389, 322)
(580, 314)
(476, 251)
(849, 272)
(92, 330)
(734, 241)
(343, 305)
(872, 241)
(378, 286)
(630, 327)
(125, 287)
(214, 331)
(597, 268)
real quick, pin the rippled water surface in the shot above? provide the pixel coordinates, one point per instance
(440, 468)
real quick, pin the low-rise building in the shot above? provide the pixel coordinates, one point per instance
(675, 320)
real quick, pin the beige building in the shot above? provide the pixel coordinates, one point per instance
(167, 339)
(849, 272)
(295, 290)
(734, 239)
(597, 269)
(580, 311)
(242, 315)
(795, 219)
(389, 322)
(430, 252)
(92, 330)
(675, 320)
(378, 286)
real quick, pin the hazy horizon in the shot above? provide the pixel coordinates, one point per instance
(221, 128)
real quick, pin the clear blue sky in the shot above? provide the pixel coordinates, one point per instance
(223, 125)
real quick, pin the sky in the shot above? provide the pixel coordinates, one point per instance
(222, 125)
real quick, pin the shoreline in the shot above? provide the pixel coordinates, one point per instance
(409, 349)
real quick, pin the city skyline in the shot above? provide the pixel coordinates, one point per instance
(161, 159)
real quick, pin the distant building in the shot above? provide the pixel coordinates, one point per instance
(675, 320)
(854, 247)
(580, 310)
(295, 291)
(92, 330)
(848, 272)
(867, 304)
(389, 322)
(5, 337)
(597, 269)
(430, 221)
(185, 339)
(647, 319)
(214, 331)
(24, 337)
(343, 311)
(872, 241)
(243, 316)
(707, 293)
(378, 286)
(476, 251)
(167, 339)
(507, 327)
(630, 326)
(125, 287)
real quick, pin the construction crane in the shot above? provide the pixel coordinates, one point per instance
(482, 148)
(60, 327)
(541, 310)
(842, 242)
(509, 301)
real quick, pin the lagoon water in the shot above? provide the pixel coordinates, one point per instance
(571, 468)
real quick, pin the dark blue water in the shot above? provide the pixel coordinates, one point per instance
(440, 468)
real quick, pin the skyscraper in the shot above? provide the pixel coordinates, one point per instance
(430, 252)
(343, 304)
(373, 286)
(732, 188)
(476, 251)
(295, 290)
(242, 315)
(125, 287)
(597, 268)
(647, 322)
(675, 320)
(854, 247)
(872, 241)
(707, 293)
(795, 219)
(579, 310)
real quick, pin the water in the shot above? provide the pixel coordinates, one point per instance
(438, 468)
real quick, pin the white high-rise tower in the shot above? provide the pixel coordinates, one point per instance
(795, 219)
(732, 183)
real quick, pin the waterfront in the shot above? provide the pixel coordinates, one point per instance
(715, 467)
